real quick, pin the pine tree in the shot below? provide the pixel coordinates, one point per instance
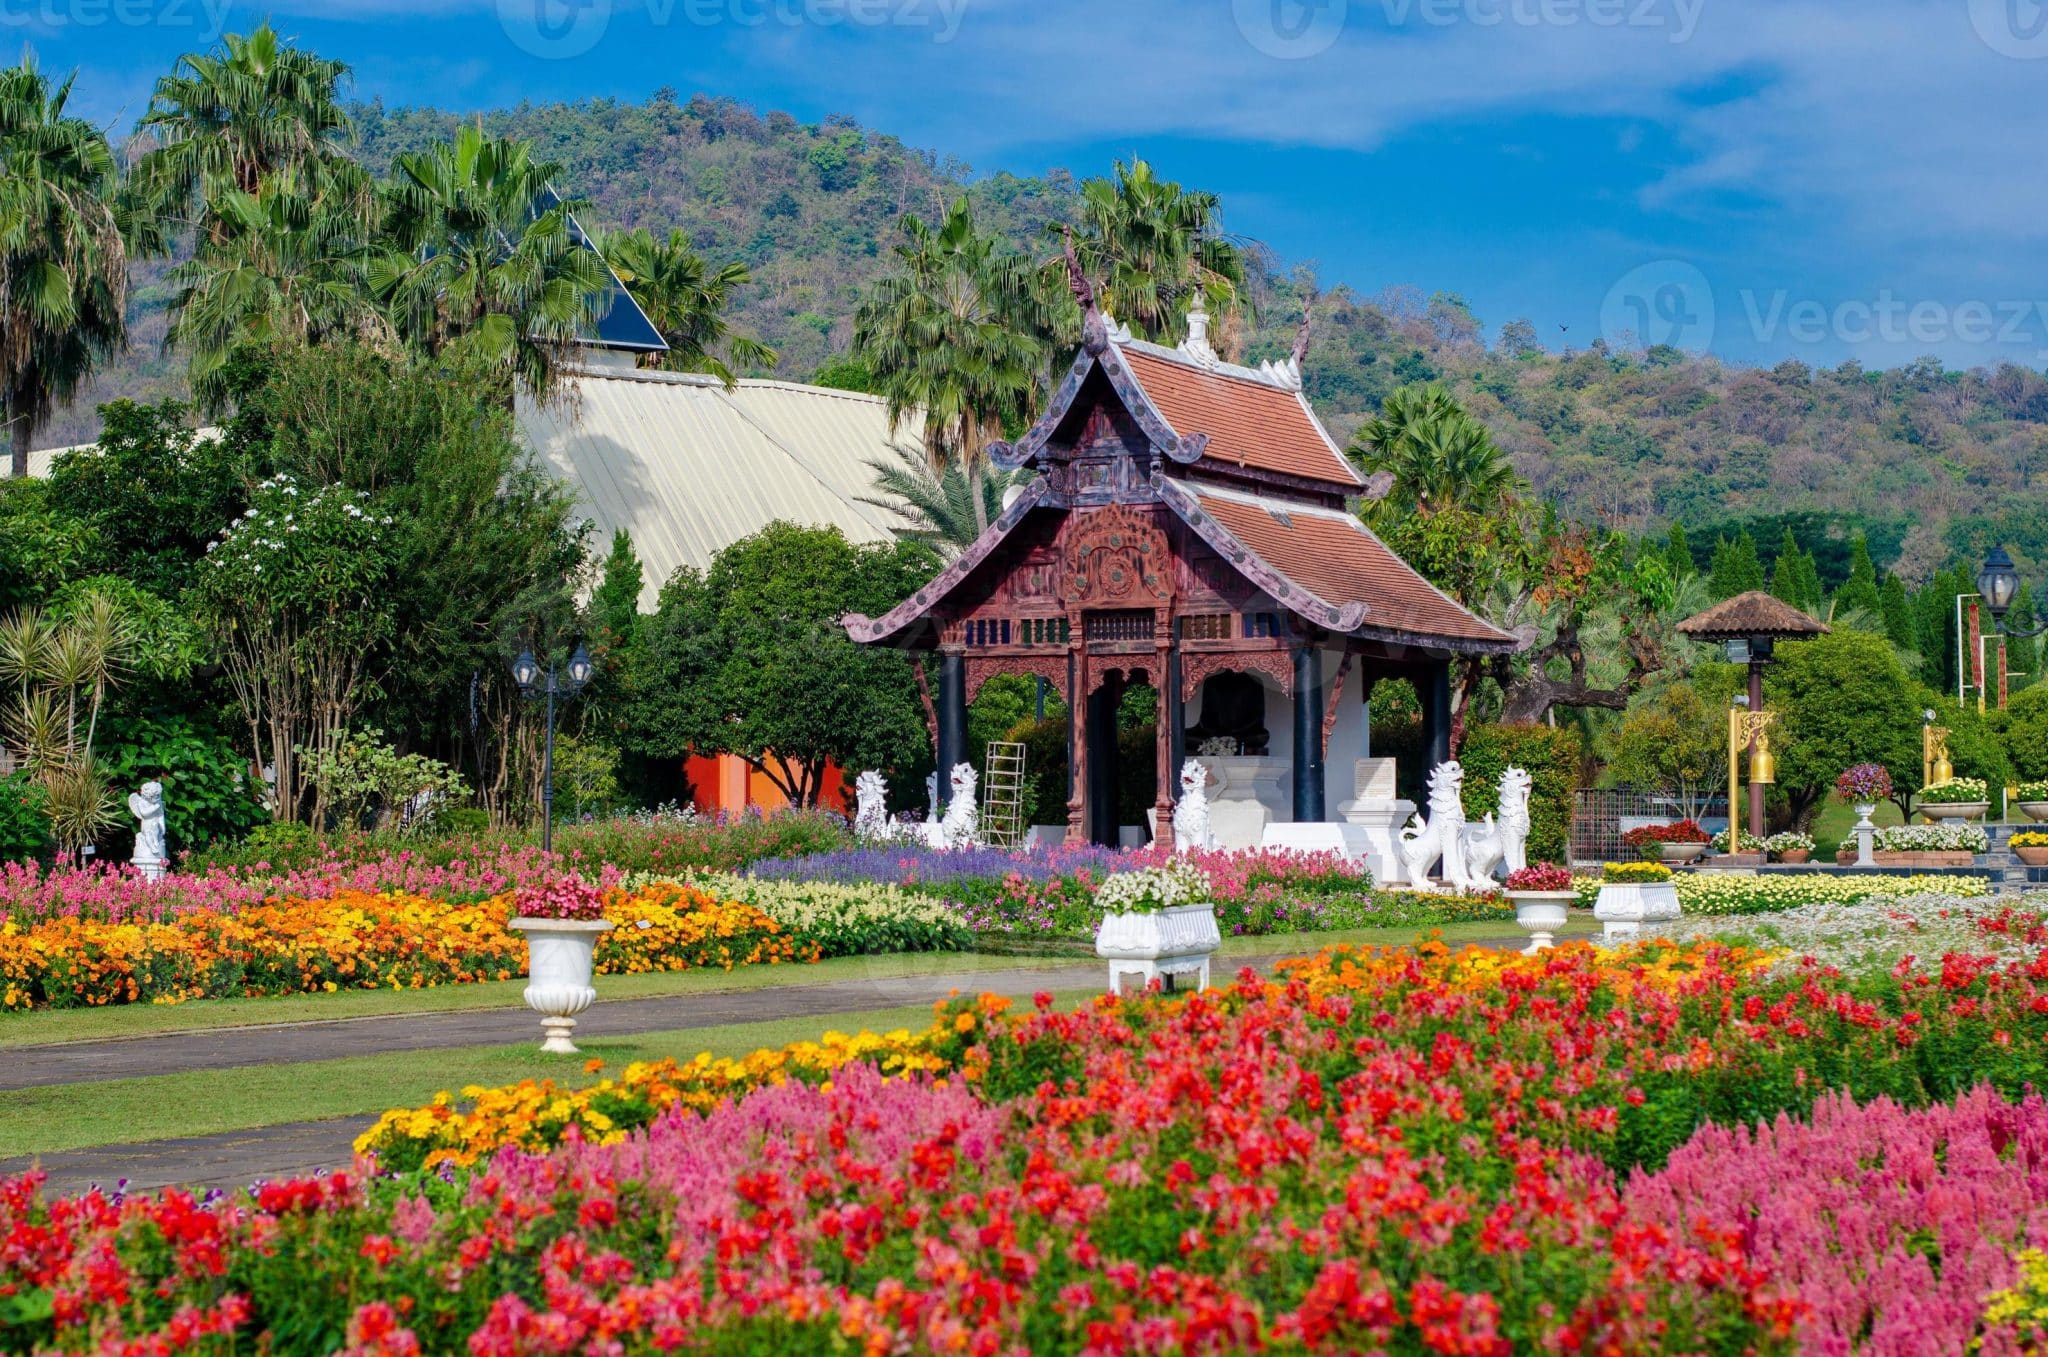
(1860, 590)
(1898, 613)
(1749, 569)
(1811, 594)
(615, 604)
(1788, 581)
(1721, 570)
(2021, 654)
(1678, 554)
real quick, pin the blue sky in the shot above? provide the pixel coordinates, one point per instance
(1760, 179)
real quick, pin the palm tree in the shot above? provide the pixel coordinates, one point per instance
(1435, 456)
(251, 110)
(63, 268)
(281, 267)
(684, 300)
(937, 506)
(1147, 246)
(478, 252)
(958, 338)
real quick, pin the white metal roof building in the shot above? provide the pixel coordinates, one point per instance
(688, 467)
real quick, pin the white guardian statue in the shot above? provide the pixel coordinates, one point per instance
(1440, 836)
(1490, 843)
(961, 827)
(1191, 813)
(871, 807)
(151, 856)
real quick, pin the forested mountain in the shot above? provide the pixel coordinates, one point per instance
(1927, 461)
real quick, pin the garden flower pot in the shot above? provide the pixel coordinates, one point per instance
(1625, 906)
(1540, 914)
(2033, 810)
(1674, 853)
(1794, 856)
(558, 970)
(1162, 945)
(2033, 857)
(1954, 810)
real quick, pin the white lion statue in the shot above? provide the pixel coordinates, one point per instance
(871, 807)
(961, 825)
(1489, 844)
(1442, 835)
(1191, 813)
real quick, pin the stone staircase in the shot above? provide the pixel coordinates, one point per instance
(2007, 870)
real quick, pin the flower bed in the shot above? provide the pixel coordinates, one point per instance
(1713, 893)
(1401, 1150)
(852, 920)
(358, 940)
(1876, 934)
(1951, 837)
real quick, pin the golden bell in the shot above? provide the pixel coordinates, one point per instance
(1763, 768)
(1944, 771)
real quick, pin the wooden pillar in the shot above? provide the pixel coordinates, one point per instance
(1176, 720)
(1436, 714)
(1077, 745)
(1308, 735)
(952, 719)
(1163, 791)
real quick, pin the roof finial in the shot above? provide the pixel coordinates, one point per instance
(1094, 334)
(1308, 311)
(1196, 345)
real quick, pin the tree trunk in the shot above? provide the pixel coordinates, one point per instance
(977, 474)
(19, 429)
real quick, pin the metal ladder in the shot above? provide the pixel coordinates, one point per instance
(1002, 795)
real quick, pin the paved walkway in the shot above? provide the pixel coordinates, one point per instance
(238, 1158)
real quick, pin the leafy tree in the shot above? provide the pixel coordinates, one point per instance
(1897, 611)
(254, 109)
(957, 337)
(1860, 592)
(936, 508)
(1518, 340)
(1147, 246)
(209, 796)
(2026, 732)
(1794, 576)
(39, 547)
(2022, 653)
(1678, 553)
(750, 659)
(1439, 457)
(1841, 699)
(477, 251)
(63, 266)
(847, 373)
(686, 301)
(1974, 746)
(615, 603)
(1672, 742)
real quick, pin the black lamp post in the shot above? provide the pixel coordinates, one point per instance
(526, 672)
(1999, 583)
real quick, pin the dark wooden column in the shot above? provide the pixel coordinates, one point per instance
(952, 719)
(1435, 691)
(1077, 744)
(1176, 720)
(1308, 735)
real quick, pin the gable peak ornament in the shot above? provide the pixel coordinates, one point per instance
(1196, 345)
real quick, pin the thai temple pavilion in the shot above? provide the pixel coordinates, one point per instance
(1188, 528)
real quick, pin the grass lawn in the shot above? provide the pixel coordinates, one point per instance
(49, 1026)
(205, 1102)
(1835, 818)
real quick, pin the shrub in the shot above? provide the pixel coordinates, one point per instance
(24, 829)
(1684, 831)
(2026, 731)
(1540, 876)
(1550, 755)
(1750, 842)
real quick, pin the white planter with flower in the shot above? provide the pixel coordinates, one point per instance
(1542, 894)
(1959, 798)
(1157, 924)
(1633, 894)
(2031, 800)
(562, 924)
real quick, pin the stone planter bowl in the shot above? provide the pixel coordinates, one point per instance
(1794, 856)
(2033, 857)
(1673, 854)
(1955, 810)
(2033, 810)
(1540, 914)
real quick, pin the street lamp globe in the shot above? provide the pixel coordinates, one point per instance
(525, 671)
(1998, 581)
(580, 668)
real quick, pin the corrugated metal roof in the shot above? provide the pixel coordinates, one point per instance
(687, 467)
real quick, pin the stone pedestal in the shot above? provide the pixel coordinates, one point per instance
(1625, 906)
(1246, 793)
(1377, 816)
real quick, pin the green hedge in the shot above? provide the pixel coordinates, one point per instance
(1551, 758)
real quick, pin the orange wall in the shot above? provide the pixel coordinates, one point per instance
(726, 782)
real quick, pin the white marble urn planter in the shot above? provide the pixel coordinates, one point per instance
(1540, 914)
(1954, 810)
(1163, 945)
(1678, 854)
(2033, 810)
(558, 971)
(1625, 906)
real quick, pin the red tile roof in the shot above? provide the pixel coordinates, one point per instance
(1249, 422)
(1755, 613)
(1340, 562)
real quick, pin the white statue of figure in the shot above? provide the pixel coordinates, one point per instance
(1515, 788)
(1480, 847)
(931, 802)
(1423, 842)
(1191, 813)
(871, 807)
(147, 806)
(961, 827)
